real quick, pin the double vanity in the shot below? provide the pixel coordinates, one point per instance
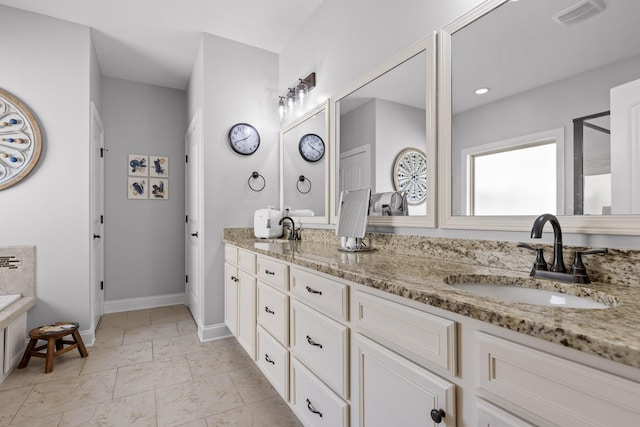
(385, 338)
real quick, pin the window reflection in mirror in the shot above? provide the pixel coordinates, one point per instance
(304, 166)
(542, 72)
(386, 112)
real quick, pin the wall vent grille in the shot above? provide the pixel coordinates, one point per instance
(579, 12)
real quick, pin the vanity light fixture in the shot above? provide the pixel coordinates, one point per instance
(296, 94)
(482, 90)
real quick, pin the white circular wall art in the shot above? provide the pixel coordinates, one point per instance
(410, 175)
(20, 140)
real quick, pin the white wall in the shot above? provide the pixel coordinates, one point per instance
(144, 239)
(46, 63)
(231, 83)
(345, 39)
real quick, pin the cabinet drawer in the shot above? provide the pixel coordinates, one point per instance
(247, 261)
(426, 339)
(313, 402)
(273, 272)
(555, 390)
(231, 254)
(492, 416)
(328, 296)
(322, 344)
(273, 360)
(273, 312)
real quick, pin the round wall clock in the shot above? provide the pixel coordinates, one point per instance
(244, 138)
(311, 147)
(410, 175)
(20, 140)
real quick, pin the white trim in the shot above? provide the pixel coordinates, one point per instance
(428, 45)
(127, 304)
(213, 332)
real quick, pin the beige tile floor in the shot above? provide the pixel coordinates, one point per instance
(147, 368)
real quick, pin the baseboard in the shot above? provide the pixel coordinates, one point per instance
(213, 332)
(128, 304)
(88, 337)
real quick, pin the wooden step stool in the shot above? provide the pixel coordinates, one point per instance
(55, 345)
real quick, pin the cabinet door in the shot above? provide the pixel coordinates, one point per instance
(231, 298)
(247, 312)
(492, 416)
(389, 390)
(15, 336)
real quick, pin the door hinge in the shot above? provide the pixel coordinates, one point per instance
(102, 150)
(101, 219)
(101, 285)
(186, 158)
(186, 219)
(186, 278)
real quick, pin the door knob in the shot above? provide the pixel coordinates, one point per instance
(96, 236)
(195, 234)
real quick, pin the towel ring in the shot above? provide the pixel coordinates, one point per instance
(256, 176)
(303, 179)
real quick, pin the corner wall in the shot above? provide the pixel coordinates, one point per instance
(47, 65)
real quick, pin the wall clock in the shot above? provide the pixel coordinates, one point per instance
(311, 147)
(410, 175)
(20, 140)
(244, 138)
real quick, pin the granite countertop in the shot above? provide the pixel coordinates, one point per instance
(612, 333)
(15, 310)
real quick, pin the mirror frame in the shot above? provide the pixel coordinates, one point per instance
(429, 46)
(607, 224)
(325, 106)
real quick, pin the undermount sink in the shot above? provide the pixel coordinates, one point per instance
(517, 291)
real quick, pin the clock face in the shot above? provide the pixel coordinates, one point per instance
(244, 138)
(410, 175)
(311, 147)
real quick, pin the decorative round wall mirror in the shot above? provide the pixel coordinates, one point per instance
(410, 175)
(20, 140)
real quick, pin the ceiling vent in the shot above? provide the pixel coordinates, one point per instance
(579, 12)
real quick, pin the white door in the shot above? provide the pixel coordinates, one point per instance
(194, 233)
(625, 148)
(355, 168)
(97, 217)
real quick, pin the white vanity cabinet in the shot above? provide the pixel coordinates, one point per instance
(240, 296)
(554, 390)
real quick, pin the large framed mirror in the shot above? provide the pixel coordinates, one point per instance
(539, 105)
(304, 167)
(384, 139)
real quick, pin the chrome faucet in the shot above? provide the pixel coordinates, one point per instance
(292, 234)
(558, 270)
(536, 233)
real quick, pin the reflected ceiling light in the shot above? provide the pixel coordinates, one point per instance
(482, 90)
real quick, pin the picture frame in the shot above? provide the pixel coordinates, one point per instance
(158, 166)
(158, 189)
(137, 188)
(138, 165)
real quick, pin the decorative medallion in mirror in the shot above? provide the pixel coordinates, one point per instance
(20, 140)
(304, 168)
(376, 119)
(538, 100)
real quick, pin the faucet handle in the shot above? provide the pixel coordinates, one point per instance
(539, 263)
(578, 268)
